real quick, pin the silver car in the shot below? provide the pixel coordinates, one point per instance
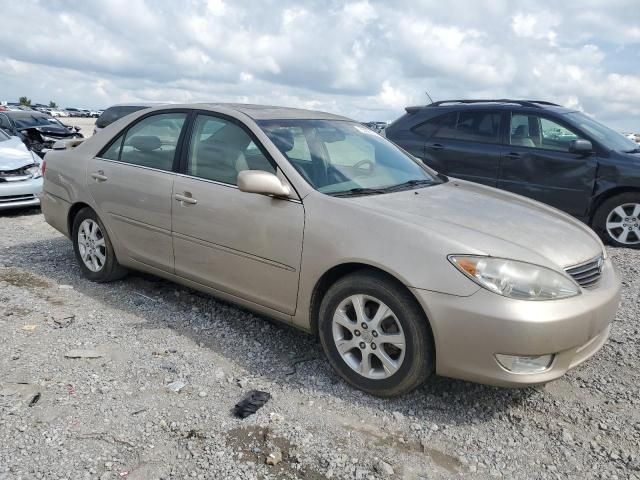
(20, 174)
(317, 221)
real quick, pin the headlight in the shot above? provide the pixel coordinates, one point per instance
(48, 139)
(35, 171)
(520, 280)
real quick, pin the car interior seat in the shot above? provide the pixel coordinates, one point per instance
(521, 137)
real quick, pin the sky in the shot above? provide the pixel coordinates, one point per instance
(363, 59)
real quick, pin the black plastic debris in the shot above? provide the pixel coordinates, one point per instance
(253, 401)
(34, 399)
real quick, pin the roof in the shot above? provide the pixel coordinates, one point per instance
(269, 112)
(139, 104)
(498, 103)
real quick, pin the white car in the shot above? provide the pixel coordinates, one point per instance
(20, 174)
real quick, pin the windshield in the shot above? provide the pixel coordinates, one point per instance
(26, 121)
(337, 157)
(605, 135)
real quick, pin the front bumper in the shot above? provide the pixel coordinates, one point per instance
(20, 194)
(469, 331)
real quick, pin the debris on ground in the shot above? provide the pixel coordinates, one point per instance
(176, 386)
(253, 401)
(63, 321)
(274, 458)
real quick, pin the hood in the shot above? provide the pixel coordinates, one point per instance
(479, 219)
(52, 131)
(14, 155)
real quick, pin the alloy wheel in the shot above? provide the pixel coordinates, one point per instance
(368, 336)
(623, 224)
(91, 245)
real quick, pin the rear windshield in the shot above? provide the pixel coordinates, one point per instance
(112, 114)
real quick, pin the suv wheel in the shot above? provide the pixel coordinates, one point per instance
(93, 248)
(617, 220)
(375, 335)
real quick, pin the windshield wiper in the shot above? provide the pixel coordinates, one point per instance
(635, 150)
(359, 191)
(409, 184)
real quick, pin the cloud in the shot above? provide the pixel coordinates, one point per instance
(364, 59)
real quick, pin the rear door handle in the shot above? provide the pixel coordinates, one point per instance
(185, 198)
(436, 146)
(99, 176)
(513, 155)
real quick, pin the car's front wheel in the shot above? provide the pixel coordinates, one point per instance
(375, 335)
(93, 248)
(617, 220)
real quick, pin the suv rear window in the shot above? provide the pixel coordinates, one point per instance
(473, 126)
(112, 114)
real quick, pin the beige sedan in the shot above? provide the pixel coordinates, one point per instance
(314, 220)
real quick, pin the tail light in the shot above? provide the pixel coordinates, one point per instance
(44, 166)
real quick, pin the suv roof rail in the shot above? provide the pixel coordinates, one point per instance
(524, 103)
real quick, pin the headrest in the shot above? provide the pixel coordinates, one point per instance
(520, 131)
(283, 139)
(145, 143)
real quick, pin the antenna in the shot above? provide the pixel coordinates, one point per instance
(427, 94)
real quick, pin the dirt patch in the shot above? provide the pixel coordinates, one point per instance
(20, 278)
(255, 444)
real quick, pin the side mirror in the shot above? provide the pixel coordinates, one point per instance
(580, 146)
(263, 183)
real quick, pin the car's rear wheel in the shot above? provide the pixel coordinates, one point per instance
(375, 335)
(93, 248)
(617, 220)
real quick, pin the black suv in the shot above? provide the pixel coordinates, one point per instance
(538, 149)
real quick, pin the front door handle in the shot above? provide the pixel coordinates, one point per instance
(185, 198)
(99, 176)
(513, 155)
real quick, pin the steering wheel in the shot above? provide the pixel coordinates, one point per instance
(366, 162)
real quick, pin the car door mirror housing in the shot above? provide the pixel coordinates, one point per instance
(263, 183)
(580, 146)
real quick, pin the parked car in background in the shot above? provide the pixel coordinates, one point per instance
(633, 137)
(538, 149)
(376, 126)
(56, 112)
(38, 131)
(74, 112)
(116, 112)
(20, 174)
(315, 220)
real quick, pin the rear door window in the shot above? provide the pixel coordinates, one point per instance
(442, 126)
(479, 126)
(151, 142)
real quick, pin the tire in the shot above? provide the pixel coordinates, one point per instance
(615, 228)
(94, 238)
(409, 367)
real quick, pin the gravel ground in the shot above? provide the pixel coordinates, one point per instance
(114, 416)
(86, 124)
